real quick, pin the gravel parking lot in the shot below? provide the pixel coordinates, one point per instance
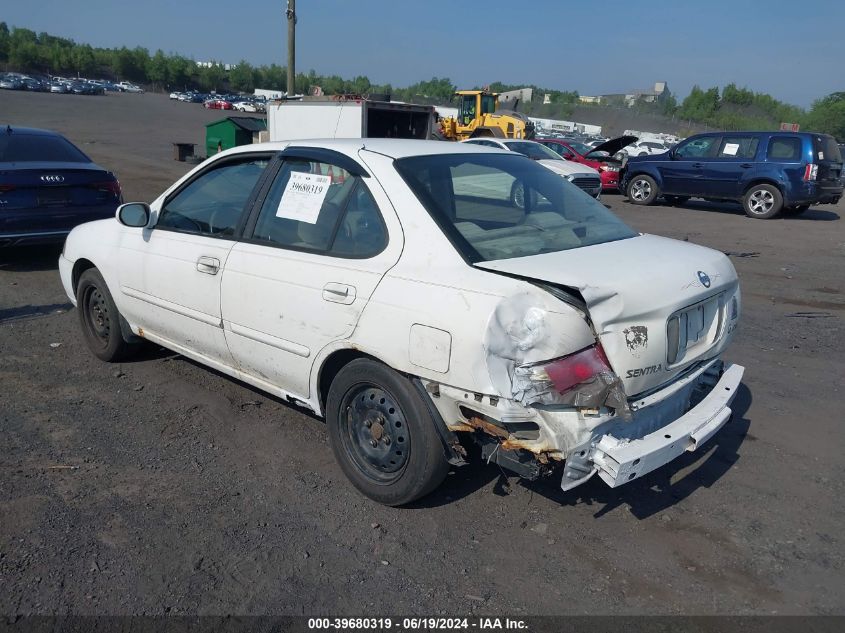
(158, 486)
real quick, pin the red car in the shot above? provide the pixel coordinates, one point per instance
(218, 104)
(600, 158)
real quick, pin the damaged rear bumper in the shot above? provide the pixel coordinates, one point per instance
(618, 461)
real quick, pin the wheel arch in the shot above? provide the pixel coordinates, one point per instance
(642, 171)
(763, 180)
(331, 366)
(79, 267)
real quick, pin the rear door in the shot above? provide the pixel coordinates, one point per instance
(312, 255)
(727, 171)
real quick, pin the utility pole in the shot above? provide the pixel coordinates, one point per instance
(291, 16)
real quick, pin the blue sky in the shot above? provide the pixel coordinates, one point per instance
(795, 51)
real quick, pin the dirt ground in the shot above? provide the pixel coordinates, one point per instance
(158, 486)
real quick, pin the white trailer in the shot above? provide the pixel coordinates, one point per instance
(354, 118)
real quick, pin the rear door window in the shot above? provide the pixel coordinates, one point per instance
(318, 207)
(785, 149)
(744, 147)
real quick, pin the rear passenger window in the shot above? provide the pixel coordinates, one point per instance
(785, 148)
(315, 206)
(738, 147)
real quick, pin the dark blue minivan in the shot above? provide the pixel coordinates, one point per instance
(768, 172)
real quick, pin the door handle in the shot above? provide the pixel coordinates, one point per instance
(338, 293)
(208, 265)
(746, 165)
(697, 165)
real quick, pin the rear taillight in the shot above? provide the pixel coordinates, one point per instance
(112, 186)
(811, 171)
(562, 374)
(5, 188)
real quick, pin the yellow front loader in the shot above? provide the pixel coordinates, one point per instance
(479, 116)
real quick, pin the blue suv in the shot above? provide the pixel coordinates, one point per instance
(768, 172)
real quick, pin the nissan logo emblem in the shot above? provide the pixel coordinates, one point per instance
(704, 279)
(53, 178)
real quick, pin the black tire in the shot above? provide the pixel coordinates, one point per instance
(642, 190)
(100, 318)
(383, 435)
(797, 209)
(762, 202)
(676, 200)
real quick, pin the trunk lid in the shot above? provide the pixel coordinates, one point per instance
(633, 288)
(56, 185)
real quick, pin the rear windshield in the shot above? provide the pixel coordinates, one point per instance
(498, 207)
(19, 148)
(827, 149)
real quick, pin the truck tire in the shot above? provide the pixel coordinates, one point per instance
(382, 434)
(642, 190)
(762, 201)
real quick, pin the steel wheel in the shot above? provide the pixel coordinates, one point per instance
(373, 413)
(97, 316)
(374, 433)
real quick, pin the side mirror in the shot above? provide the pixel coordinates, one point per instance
(134, 214)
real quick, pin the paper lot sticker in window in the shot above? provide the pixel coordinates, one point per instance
(303, 197)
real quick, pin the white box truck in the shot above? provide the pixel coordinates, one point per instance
(353, 118)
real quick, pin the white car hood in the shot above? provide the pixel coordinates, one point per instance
(631, 288)
(568, 168)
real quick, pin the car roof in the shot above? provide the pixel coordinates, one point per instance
(30, 131)
(390, 147)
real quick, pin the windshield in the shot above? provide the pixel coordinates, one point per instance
(533, 150)
(498, 206)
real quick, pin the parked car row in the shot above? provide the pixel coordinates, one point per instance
(241, 103)
(64, 85)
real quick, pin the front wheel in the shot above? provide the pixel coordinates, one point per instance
(383, 435)
(100, 319)
(642, 190)
(762, 202)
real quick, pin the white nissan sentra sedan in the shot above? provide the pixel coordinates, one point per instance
(394, 288)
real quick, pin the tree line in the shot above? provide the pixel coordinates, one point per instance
(732, 108)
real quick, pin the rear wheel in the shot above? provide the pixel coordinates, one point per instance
(762, 202)
(642, 189)
(100, 319)
(383, 435)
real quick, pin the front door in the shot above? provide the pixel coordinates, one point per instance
(309, 261)
(682, 171)
(170, 274)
